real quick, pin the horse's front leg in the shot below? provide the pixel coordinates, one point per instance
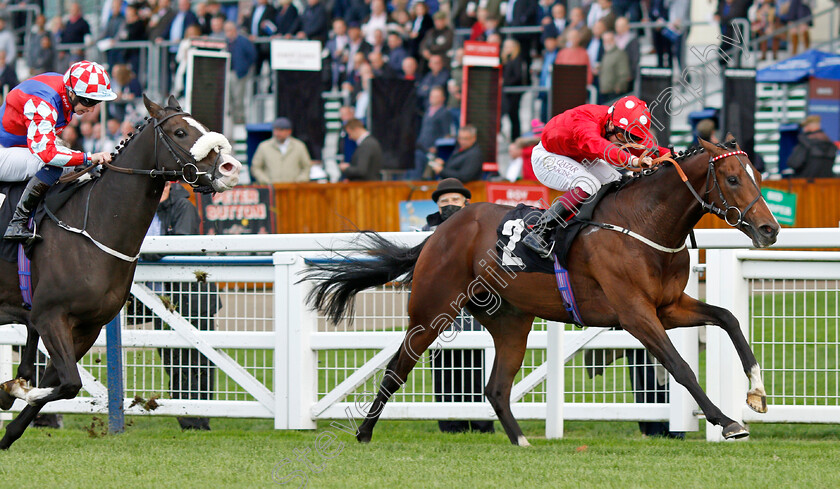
(25, 379)
(639, 318)
(688, 311)
(26, 368)
(64, 350)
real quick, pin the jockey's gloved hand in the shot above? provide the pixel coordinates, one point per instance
(645, 162)
(99, 158)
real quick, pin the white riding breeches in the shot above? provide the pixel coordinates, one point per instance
(563, 173)
(18, 164)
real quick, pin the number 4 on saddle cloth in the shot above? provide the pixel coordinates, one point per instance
(516, 257)
(15, 252)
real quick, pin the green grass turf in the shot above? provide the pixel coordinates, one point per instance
(243, 453)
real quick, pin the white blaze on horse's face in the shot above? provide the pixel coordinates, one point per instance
(228, 168)
(750, 172)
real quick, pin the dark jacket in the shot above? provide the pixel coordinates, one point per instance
(179, 217)
(243, 54)
(75, 32)
(429, 81)
(524, 13)
(737, 10)
(314, 22)
(288, 20)
(433, 128)
(161, 29)
(366, 161)
(464, 165)
(813, 156)
(268, 14)
(189, 19)
(432, 222)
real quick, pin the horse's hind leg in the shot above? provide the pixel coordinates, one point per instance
(639, 319)
(417, 340)
(510, 335)
(688, 311)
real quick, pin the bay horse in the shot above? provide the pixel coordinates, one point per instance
(78, 286)
(616, 278)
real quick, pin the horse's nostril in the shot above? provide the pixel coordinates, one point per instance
(769, 231)
(227, 168)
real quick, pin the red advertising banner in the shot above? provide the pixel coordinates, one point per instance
(506, 194)
(480, 54)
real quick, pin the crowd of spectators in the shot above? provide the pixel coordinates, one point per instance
(411, 40)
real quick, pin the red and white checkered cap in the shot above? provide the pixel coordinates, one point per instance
(90, 80)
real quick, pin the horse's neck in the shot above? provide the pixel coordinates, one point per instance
(122, 206)
(666, 209)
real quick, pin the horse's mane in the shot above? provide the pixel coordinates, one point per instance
(693, 150)
(137, 129)
(696, 149)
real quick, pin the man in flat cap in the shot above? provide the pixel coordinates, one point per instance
(457, 375)
(282, 158)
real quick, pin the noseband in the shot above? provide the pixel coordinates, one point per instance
(712, 183)
(185, 160)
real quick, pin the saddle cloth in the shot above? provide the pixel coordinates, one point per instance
(516, 257)
(12, 252)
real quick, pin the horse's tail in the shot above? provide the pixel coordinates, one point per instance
(338, 281)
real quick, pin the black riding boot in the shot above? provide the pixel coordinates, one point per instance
(32, 196)
(538, 235)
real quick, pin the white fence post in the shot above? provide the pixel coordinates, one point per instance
(726, 382)
(281, 339)
(5, 374)
(555, 387)
(302, 360)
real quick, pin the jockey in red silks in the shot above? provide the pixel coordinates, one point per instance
(580, 150)
(32, 116)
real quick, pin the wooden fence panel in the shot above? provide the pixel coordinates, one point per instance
(345, 207)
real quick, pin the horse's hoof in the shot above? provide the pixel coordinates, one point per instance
(364, 437)
(522, 441)
(16, 387)
(6, 400)
(734, 431)
(757, 402)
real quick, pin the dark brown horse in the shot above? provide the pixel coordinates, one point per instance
(77, 286)
(617, 279)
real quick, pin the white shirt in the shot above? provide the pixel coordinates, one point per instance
(284, 146)
(514, 170)
(595, 14)
(374, 24)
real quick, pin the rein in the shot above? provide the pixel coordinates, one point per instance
(707, 207)
(189, 169)
(711, 182)
(189, 172)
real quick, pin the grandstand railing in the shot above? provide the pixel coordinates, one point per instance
(274, 358)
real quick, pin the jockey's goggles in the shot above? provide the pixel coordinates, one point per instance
(87, 102)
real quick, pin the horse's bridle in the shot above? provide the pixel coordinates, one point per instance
(711, 183)
(189, 168)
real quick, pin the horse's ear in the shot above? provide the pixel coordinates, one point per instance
(155, 110)
(173, 103)
(731, 138)
(709, 147)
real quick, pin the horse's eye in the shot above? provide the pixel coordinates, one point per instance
(732, 180)
(180, 133)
